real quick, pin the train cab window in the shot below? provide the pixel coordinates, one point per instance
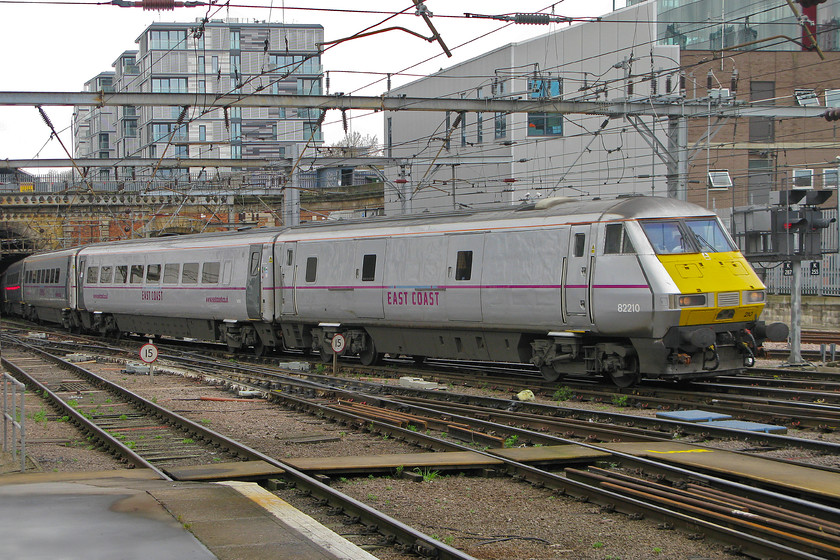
(153, 274)
(210, 273)
(580, 244)
(709, 235)
(105, 274)
(463, 265)
(171, 273)
(190, 273)
(120, 274)
(92, 275)
(311, 268)
(137, 273)
(368, 268)
(616, 240)
(666, 237)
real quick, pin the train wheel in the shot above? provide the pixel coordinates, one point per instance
(369, 356)
(419, 360)
(550, 374)
(626, 377)
(326, 355)
(259, 348)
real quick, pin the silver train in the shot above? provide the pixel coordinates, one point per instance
(626, 288)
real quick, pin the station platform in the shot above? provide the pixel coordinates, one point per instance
(132, 514)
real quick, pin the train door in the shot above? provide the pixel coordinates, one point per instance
(577, 273)
(369, 268)
(70, 282)
(80, 277)
(464, 257)
(253, 287)
(267, 283)
(288, 278)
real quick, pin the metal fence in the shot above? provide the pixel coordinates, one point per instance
(14, 416)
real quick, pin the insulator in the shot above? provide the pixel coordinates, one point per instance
(158, 5)
(710, 80)
(682, 83)
(668, 83)
(344, 120)
(652, 84)
(733, 82)
(532, 19)
(629, 87)
(50, 124)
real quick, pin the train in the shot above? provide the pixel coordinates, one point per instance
(623, 289)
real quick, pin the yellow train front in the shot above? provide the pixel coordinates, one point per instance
(706, 297)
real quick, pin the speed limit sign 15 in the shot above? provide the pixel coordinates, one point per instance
(148, 353)
(338, 343)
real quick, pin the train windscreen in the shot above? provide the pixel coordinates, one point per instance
(700, 235)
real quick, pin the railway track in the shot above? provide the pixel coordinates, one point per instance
(613, 490)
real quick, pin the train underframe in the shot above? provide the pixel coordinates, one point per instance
(683, 353)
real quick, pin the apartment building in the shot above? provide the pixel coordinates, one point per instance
(217, 57)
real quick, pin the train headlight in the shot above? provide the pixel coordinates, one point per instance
(756, 296)
(690, 300)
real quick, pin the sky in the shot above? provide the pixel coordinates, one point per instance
(58, 46)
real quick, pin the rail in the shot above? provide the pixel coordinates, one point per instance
(10, 417)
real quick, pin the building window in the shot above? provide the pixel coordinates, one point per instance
(235, 65)
(761, 129)
(234, 39)
(236, 152)
(129, 111)
(545, 124)
(163, 132)
(500, 126)
(803, 178)
(830, 178)
(169, 85)
(202, 133)
(479, 123)
(236, 112)
(168, 40)
(464, 129)
(130, 128)
(235, 131)
(306, 86)
(215, 62)
(202, 86)
(152, 151)
(274, 132)
(312, 130)
(832, 98)
(200, 67)
(759, 180)
(103, 141)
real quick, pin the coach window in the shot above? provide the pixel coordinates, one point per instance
(210, 273)
(153, 274)
(368, 268)
(171, 272)
(57, 275)
(311, 268)
(289, 255)
(617, 241)
(92, 275)
(580, 244)
(137, 274)
(120, 274)
(463, 265)
(190, 273)
(106, 274)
